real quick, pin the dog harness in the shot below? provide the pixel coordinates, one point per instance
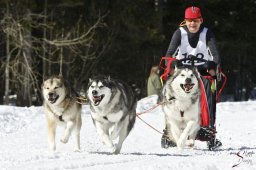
(65, 107)
(59, 117)
(181, 112)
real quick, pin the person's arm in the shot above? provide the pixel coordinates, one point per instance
(213, 50)
(174, 44)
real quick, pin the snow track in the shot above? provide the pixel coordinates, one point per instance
(23, 143)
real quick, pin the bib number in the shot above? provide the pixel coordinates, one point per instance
(198, 55)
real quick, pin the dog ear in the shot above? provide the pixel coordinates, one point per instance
(195, 70)
(176, 68)
(44, 77)
(90, 80)
(60, 76)
(108, 78)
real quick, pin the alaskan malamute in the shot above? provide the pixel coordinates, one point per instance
(61, 108)
(113, 110)
(182, 109)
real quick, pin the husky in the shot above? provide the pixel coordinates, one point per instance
(113, 110)
(181, 94)
(61, 109)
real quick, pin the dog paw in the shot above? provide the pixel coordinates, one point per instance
(52, 148)
(180, 144)
(115, 150)
(190, 143)
(64, 140)
(77, 150)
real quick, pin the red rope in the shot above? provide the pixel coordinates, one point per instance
(137, 114)
(149, 125)
(150, 108)
(222, 87)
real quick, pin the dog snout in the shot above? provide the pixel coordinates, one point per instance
(94, 92)
(188, 80)
(51, 94)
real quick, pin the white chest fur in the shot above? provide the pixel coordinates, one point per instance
(111, 117)
(182, 110)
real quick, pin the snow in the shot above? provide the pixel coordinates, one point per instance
(23, 143)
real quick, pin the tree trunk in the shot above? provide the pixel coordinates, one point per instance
(7, 71)
(24, 98)
(44, 44)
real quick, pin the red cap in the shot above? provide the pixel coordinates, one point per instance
(193, 13)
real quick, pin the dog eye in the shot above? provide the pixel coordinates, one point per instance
(101, 87)
(92, 86)
(56, 87)
(192, 75)
(182, 75)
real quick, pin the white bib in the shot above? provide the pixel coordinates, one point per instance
(201, 50)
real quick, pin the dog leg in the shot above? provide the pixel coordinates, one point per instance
(77, 141)
(114, 132)
(104, 134)
(67, 132)
(51, 135)
(192, 135)
(175, 131)
(186, 132)
(123, 133)
(77, 130)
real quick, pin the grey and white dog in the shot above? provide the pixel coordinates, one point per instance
(113, 110)
(61, 109)
(182, 109)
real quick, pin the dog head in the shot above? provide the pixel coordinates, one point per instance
(99, 90)
(185, 80)
(54, 90)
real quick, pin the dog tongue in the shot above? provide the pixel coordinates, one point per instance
(188, 86)
(51, 99)
(96, 98)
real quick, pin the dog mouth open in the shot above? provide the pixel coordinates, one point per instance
(53, 98)
(97, 99)
(187, 87)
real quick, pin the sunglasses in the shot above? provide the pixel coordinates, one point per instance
(195, 20)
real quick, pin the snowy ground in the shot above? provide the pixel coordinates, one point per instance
(23, 143)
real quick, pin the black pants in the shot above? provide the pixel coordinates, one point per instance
(211, 100)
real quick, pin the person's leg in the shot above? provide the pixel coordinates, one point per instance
(213, 143)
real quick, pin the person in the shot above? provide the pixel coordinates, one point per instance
(193, 40)
(154, 85)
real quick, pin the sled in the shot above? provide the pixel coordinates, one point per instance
(165, 65)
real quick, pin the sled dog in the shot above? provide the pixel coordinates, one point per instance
(61, 109)
(113, 110)
(181, 94)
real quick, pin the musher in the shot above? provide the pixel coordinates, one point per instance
(193, 39)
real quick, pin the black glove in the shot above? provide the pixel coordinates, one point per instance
(205, 134)
(176, 63)
(210, 65)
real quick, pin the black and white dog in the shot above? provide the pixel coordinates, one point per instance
(113, 110)
(182, 109)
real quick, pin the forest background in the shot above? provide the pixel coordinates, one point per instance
(123, 39)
